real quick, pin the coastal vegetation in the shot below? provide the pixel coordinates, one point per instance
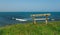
(52, 28)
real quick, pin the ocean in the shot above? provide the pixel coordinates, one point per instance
(6, 18)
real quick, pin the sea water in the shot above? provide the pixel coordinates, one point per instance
(6, 17)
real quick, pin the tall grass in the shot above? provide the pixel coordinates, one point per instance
(52, 28)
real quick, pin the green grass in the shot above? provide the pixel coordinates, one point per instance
(52, 28)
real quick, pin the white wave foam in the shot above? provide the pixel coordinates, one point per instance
(21, 19)
(18, 19)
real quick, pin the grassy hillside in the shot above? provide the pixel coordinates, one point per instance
(52, 28)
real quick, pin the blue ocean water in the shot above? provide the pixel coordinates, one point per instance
(6, 17)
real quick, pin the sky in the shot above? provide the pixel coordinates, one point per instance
(29, 5)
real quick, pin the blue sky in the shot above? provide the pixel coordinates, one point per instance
(29, 5)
